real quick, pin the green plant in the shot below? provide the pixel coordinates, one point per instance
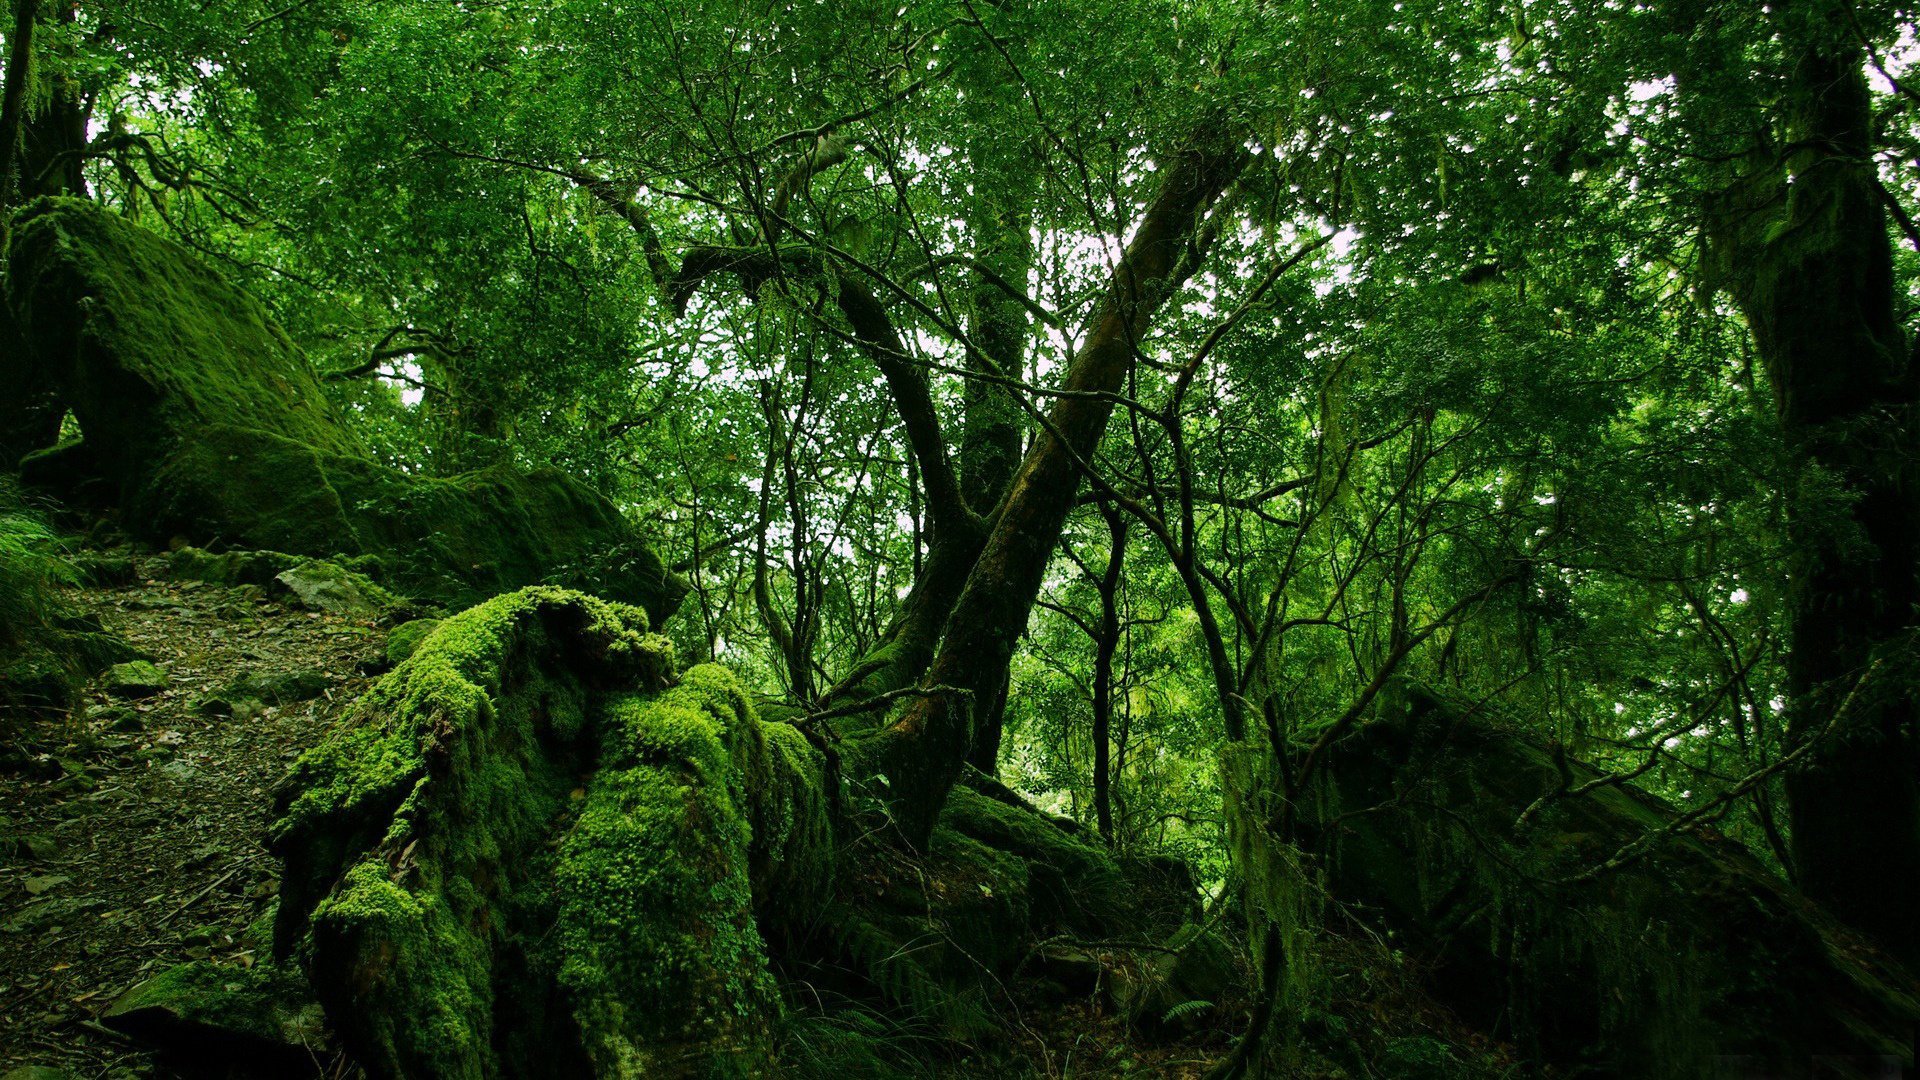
(33, 570)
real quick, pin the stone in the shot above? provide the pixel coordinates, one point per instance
(134, 679)
(322, 586)
(203, 422)
(405, 638)
(278, 687)
(263, 1015)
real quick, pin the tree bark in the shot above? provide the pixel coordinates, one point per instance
(1105, 645)
(13, 105)
(1815, 279)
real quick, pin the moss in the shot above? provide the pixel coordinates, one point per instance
(243, 567)
(662, 957)
(157, 341)
(453, 540)
(205, 422)
(1674, 965)
(258, 1013)
(475, 909)
(404, 639)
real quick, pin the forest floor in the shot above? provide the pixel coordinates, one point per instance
(132, 837)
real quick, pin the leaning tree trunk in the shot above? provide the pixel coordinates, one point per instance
(1814, 276)
(922, 750)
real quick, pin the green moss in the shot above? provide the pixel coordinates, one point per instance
(161, 342)
(661, 953)
(404, 639)
(420, 842)
(453, 540)
(203, 421)
(222, 1012)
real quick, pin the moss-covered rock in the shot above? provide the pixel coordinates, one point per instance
(134, 679)
(146, 343)
(526, 853)
(203, 421)
(1693, 960)
(259, 1016)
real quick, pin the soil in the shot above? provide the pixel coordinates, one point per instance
(130, 831)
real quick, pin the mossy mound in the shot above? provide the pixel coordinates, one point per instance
(511, 862)
(1693, 960)
(261, 1016)
(202, 421)
(145, 342)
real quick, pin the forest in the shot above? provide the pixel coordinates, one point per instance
(1361, 539)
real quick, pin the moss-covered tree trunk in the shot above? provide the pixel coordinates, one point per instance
(1813, 273)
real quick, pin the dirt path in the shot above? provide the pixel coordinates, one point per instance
(131, 841)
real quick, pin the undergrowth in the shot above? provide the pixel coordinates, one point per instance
(33, 570)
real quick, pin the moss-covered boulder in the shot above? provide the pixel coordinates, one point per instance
(202, 420)
(263, 1017)
(1690, 960)
(535, 850)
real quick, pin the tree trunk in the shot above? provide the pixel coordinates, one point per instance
(1815, 279)
(1105, 645)
(13, 104)
(53, 141)
(922, 751)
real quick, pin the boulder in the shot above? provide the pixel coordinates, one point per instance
(1461, 834)
(277, 687)
(262, 1016)
(134, 679)
(201, 420)
(318, 585)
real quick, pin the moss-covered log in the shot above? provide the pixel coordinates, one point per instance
(202, 420)
(1692, 960)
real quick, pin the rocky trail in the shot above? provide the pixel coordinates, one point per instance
(133, 829)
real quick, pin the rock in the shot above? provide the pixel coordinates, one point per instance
(318, 585)
(278, 687)
(406, 637)
(225, 1014)
(134, 679)
(1175, 992)
(229, 567)
(1670, 965)
(201, 420)
(119, 718)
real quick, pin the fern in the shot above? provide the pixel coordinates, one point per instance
(1185, 1009)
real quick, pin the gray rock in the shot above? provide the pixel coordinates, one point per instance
(318, 585)
(134, 679)
(278, 687)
